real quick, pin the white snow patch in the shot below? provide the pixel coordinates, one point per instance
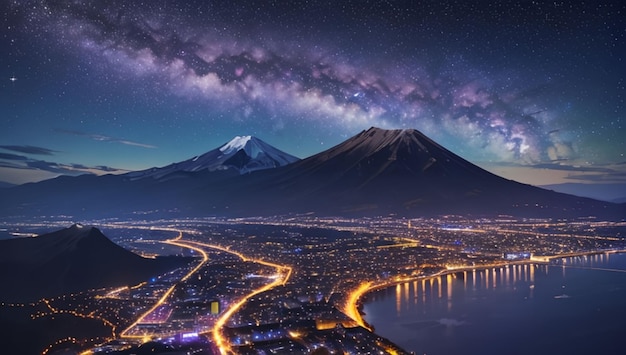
(236, 144)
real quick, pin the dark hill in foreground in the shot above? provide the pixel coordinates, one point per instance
(72, 259)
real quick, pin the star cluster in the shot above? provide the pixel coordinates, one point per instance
(507, 84)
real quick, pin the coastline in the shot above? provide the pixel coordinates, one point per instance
(354, 305)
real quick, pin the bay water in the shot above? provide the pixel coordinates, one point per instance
(573, 305)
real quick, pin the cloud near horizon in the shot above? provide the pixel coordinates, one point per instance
(556, 173)
(7, 156)
(32, 170)
(29, 149)
(105, 138)
(19, 171)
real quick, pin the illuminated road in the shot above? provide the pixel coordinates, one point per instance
(351, 308)
(282, 270)
(176, 241)
(217, 336)
(54, 310)
(542, 234)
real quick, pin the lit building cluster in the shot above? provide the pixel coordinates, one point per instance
(294, 284)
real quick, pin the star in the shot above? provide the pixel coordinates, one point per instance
(496, 84)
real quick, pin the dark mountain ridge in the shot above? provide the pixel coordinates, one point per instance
(72, 259)
(241, 155)
(376, 172)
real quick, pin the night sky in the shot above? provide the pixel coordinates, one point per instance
(531, 90)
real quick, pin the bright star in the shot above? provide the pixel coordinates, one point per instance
(13, 79)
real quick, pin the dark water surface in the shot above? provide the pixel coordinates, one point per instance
(573, 306)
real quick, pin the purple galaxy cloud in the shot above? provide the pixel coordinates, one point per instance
(311, 82)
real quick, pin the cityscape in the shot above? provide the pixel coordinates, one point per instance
(295, 284)
(344, 177)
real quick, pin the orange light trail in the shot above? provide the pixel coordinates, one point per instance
(162, 300)
(54, 310)
(221, 343)
(284, 271)
(351, 304)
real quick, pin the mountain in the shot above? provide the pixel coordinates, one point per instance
(72, 259)
(241, 155)
(377, 172)
(154, 190)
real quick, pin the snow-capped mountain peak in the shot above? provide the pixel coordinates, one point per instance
(235, 144)
(242, 154)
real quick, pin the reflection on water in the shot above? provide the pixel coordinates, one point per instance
(461, 312)
(510, 276)
(444, 287)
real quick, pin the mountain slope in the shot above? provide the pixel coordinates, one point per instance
(395, 171)
(241, 155)
(376, 172)
(378, 155)
(155, 190)
(72, 259)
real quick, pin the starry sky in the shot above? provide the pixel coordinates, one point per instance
(531, 90)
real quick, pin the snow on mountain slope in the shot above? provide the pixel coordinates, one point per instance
(242, 154)
(235, 144)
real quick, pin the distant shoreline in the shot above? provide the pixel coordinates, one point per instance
(357, 306)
